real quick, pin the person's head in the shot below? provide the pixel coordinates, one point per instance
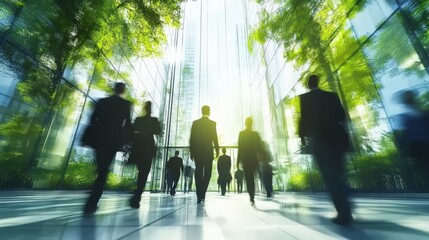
(248, 123)
(119, 88)
(224, 150)
(205, 110)
(176, 153)
(147, 107)
(408, 98)
(313, 82)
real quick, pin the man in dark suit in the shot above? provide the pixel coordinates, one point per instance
(175, 166)
(111, 117)
(203, 138)
(249, 147)
(322, 129)
(224, 171)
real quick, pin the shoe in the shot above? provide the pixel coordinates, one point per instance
(252, 202)
(89, 210)
(134, 202)
(342, 221)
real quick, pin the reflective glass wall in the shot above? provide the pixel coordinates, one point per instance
(369, 56)
(49, 82)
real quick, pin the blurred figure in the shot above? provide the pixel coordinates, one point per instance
(189, 175)
(203, 139)
(174, 166)
(238, 175)
(266, 170)
(224, 171)
(414, 140)
(143, 149)
(249, 147)
(111, 116)
(322, 128)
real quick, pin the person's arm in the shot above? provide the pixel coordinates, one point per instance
(191, 142)
(302, 121)
(95, 116)
(215, 141)
(128, 116)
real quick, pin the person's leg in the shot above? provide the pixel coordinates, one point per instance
(143, 167)
(223, 187)
(175, 182)
(208, 164)
(199, 184)
(249, 174)
(104, 158)
(331, 167)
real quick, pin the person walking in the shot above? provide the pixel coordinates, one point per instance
(112, 119)
(224, 171)
(249, 147)
(175, 166)
(143, 149)
(202, 142)
(322, 129)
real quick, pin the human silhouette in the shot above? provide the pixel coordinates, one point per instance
(224, 171)
(189, 175)
(249, 147)
(174, 165)
(143, 149)
(202, 142)
(322, 129)
(266, 170)
(414, 141)
(238, 175)
(112, 117)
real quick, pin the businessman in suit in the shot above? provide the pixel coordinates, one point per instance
(249, 148)
(224, 171)
(202, 142)
(322, 128)
(112, 118)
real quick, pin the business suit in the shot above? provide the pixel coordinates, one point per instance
(202, 142)
(223, 169)
(144, 149)
(322, 120)
(249, 146)
(111, 116)
(175, 165)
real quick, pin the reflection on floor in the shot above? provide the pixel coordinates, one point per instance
(57, 215)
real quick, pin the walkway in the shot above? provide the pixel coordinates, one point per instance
(57, 215)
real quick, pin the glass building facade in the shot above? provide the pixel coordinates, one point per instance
(375, 51)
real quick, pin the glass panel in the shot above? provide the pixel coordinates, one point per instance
(25, 94)
(7, 13)
(366, 21)
(59, 133)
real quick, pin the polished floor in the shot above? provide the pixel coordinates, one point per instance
(57, 215)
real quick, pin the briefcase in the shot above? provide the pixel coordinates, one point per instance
(90, 136)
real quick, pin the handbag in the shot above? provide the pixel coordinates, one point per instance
(90, 136)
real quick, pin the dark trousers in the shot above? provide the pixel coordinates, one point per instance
(331, 165)
(249, 174)
(240, 186)
(222, 182)
(143, 165)
(175, 178)
(267, 176)
(104, 158)
(203, 173)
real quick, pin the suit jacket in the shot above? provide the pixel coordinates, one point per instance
(249, 147)
(224, 165)
(323, 119)
(175, 164)
(144, 129)
(111, 116)
(203, 138)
